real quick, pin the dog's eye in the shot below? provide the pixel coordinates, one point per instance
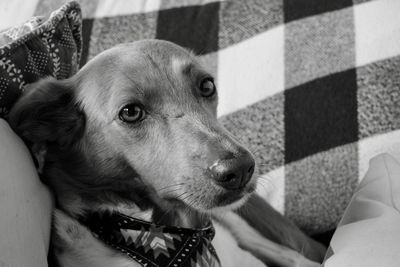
(132, 113)
(207, 87)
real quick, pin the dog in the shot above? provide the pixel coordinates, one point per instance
(140, 167)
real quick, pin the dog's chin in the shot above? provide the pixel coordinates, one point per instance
(232, 200)
(222, 200)
(231, 206)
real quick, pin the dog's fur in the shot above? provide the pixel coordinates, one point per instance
(157, 169)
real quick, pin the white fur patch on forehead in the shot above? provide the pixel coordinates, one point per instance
(182, 65)
(92, 99)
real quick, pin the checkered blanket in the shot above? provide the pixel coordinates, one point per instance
(310, 86)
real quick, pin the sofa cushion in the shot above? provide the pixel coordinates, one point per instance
(37, 49)
(25, 205)
(369, 232)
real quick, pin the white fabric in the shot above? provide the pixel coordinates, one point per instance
(25, 206)
(11, 13)
(369, 232)
(377, 30)
(123, 7)
(245, 76)
(375, 145)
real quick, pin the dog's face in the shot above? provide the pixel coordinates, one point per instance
(151, 106)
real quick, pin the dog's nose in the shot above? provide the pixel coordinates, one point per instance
(233, 173)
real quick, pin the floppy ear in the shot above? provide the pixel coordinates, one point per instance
(47, 113)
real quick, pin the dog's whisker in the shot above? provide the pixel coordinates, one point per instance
(266, 180)
(262, 185)
(169, 186)
(265, 176)
(180, 196)
(188, 210)
(255, 151)
(184, 197)
(267, 184)
(171, 190)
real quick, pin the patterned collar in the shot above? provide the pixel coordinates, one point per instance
(154, 245)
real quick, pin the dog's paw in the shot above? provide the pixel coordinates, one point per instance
(303, 262)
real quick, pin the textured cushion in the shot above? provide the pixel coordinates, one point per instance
(39, 48)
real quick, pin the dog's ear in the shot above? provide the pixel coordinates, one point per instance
(47, 113)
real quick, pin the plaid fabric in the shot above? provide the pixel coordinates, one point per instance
(310, 86)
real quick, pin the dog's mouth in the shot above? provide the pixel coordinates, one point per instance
(205, 196)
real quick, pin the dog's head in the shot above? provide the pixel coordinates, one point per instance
(140, 113)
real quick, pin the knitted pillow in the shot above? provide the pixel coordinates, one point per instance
(37, 49)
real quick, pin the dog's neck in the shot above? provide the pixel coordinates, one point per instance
(80, 190)
(168, 214)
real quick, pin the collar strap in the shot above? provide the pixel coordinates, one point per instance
(154, 245)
